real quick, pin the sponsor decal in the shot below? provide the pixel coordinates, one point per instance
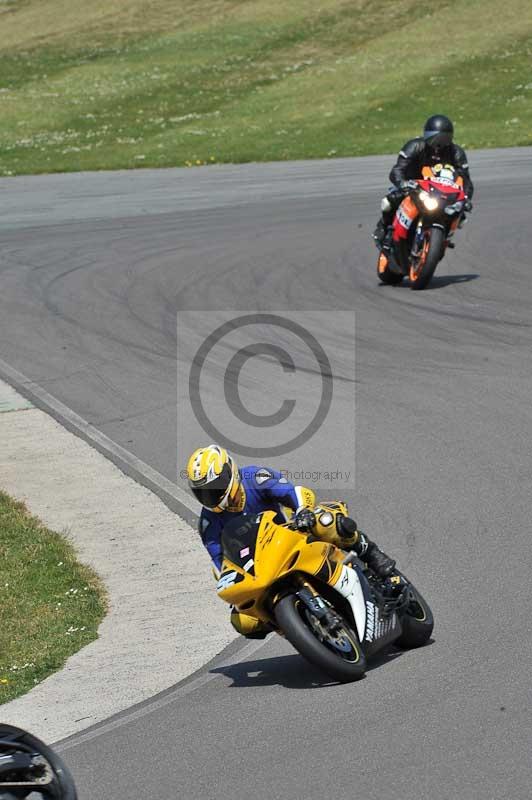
(262, 476)
(248, 565)
(244, 552)
(445, 182)
(370, 621)
(345, 579)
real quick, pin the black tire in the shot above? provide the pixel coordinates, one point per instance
(61, 787)
(291, 616)
(417, 622)
(436, 245)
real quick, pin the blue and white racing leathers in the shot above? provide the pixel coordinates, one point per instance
(265, 490)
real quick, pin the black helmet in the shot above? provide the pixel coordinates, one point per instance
(29, 767)
(438, 131)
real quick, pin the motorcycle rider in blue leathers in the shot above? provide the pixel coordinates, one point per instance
(224, 491)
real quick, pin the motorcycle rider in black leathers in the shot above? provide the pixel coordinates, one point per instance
(436, 146)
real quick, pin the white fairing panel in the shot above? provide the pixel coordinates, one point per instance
(348, 585)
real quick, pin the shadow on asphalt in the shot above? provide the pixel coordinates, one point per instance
(438, 282)
(291, 671)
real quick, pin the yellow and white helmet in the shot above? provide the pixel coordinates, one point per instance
(214, 479)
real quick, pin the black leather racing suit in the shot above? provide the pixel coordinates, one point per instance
(415, 155)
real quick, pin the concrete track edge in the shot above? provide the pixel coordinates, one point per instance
(134, 467)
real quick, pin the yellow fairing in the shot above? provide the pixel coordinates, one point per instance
(245, 624)
(279, 551)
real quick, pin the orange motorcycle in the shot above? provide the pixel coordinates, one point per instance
(423, 227)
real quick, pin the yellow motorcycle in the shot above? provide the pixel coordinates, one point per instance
(332, 608)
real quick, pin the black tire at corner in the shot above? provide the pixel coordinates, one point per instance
(416, 632)
(64, 786)
(304, 641)
(437, 239)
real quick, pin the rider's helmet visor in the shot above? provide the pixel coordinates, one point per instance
(211, 494)
(438, 139)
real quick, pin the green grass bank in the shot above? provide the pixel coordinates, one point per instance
(50, 604)
(107, 85)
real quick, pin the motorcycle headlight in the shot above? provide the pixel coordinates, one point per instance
(455, 208)
(430, 203)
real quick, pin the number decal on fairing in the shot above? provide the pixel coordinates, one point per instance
(403, 219)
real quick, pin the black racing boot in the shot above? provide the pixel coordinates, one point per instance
(378, 233)
(381, 564)
(383, 236)
(387, 239)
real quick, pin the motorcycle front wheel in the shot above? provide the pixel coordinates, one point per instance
(433, 245)
(37, 770)
(337, 653)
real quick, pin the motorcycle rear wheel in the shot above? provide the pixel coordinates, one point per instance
(345, 663)
(417, 623)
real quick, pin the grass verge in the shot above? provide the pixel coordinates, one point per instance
(51, 605)
(129, 83)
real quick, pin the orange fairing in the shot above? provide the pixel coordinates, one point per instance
(383, 263)
(279, 551)
(405, 215)
(409, 208)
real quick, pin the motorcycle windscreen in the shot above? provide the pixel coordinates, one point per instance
(239, 539)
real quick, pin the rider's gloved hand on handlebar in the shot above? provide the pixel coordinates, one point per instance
(408, 186)
(305, 519)
(468, 205)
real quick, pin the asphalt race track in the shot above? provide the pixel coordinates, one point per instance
(92, 271)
